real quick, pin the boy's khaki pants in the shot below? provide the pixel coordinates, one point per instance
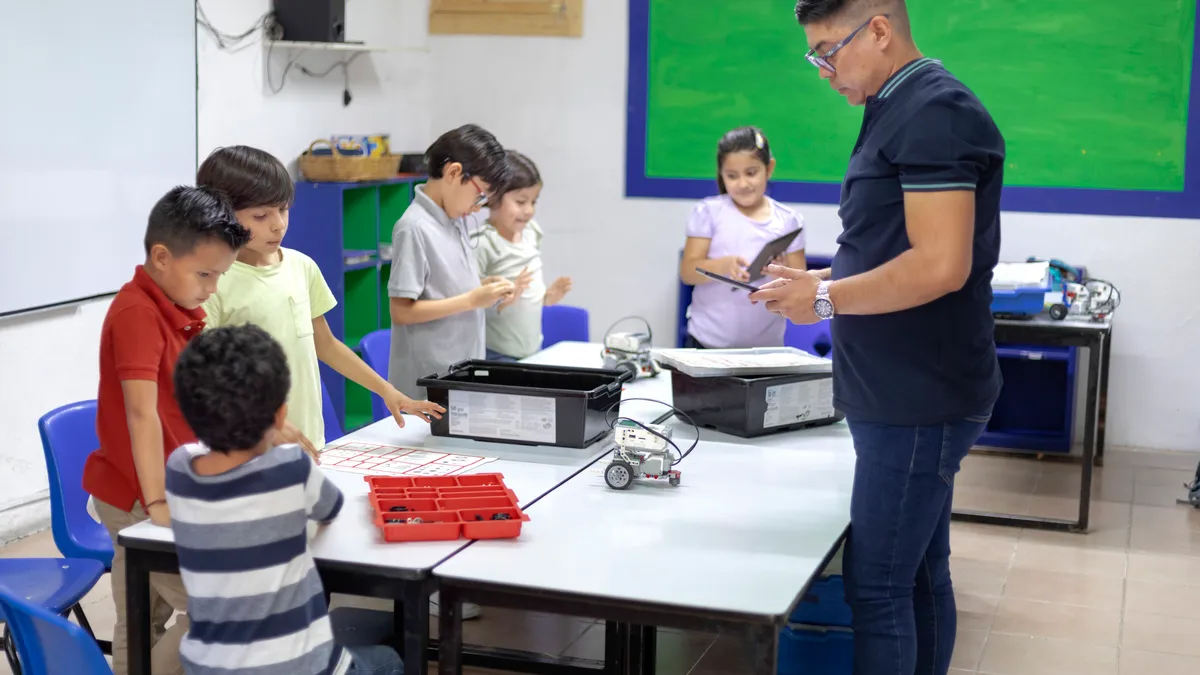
(167, 596)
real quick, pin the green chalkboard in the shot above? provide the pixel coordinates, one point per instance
(1088, 93)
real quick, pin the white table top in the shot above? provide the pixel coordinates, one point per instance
(587, 355)
(1069, 323)
(352, 538)
(744, 532)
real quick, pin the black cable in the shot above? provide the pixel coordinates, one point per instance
(227, 41)
(682, 415)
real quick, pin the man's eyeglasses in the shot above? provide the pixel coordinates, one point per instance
(822, 60)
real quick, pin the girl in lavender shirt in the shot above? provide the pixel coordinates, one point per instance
(724, 234)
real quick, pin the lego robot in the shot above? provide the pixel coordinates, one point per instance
(1193, 491)
(630, 351)
(643, 451)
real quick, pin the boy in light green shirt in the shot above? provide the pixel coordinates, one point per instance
(283, 292)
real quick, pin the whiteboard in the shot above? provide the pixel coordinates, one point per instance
(97, 121)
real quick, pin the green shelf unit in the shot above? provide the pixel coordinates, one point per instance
(360, 219)
(344, 228)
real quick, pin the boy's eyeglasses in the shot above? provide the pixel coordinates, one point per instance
(482, 199)
(822, 60)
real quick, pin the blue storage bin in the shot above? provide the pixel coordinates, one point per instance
(1019, 301)
(1036, 407)
(814, 652)
(824, 604)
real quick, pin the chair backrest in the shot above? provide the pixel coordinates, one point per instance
(333, 428)
(681, 310)
(47, 643)
(68, 437)
(376, 348)
(564, 323)
(813, 338)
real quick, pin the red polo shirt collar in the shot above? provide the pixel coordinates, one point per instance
(187, 321)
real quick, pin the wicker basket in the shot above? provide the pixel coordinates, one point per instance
(336, 168)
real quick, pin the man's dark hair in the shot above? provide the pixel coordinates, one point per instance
(480, 154)
(251, 177)
(816, 11)
(230, 382)
(187, 216)
(522, 173)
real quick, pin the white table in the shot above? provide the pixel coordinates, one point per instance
(588, 355)
(350, 553)
(734, 546)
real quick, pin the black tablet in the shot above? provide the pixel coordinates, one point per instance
(726, 280)
(773, 249)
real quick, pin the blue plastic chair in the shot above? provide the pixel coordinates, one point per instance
(376, 348)
(564, 323)
(813, 338)
(51, 585)
(68, 437)
(46, 641)
(333, 428)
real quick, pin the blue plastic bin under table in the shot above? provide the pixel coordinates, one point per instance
(806, 651)
(824, 604)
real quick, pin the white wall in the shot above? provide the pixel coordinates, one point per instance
(563, 102)
(390, 90)
(50, 359)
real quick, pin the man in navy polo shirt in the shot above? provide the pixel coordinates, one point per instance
(915, 367)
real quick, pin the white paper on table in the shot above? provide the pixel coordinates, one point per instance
(389, 460)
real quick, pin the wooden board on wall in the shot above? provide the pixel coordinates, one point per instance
(555, 18)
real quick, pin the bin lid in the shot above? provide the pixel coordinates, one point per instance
(752, 362)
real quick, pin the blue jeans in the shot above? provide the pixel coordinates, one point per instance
(497, 356)
(375, 661)
(897, 561)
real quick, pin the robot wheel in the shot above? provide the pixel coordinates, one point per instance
(619, 474)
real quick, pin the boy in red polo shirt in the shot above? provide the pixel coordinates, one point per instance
(192, 238)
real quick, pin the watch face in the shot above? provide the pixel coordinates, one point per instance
(823, 308)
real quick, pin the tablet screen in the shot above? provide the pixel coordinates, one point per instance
(773, 249)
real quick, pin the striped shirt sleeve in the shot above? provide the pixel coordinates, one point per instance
(322, 498)
(944, 147)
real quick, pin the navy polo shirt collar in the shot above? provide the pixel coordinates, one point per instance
(898, 79)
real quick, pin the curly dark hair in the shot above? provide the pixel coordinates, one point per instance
(187, 216)
(230, 383)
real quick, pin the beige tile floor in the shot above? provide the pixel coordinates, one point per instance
(1121, 600)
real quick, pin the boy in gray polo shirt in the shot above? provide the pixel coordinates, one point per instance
(437, 297)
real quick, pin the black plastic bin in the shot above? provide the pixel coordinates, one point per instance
(525, 403)
(739, 405)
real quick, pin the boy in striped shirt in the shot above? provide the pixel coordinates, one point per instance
(240, 508)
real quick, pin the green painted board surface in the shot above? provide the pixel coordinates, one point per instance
(1088, 93)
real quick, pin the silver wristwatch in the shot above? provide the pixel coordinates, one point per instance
(823, 306)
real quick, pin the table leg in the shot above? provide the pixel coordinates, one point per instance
(637, 650)
(616, 642)
(1089, 434)
(649, 650)
(415, 610)
(449, 633)
(1102, 422)
(137, 613)
(764, 650)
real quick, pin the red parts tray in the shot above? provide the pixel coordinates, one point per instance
(440, 508)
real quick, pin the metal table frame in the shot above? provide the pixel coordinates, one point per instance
(1098, 340)
(631, 634)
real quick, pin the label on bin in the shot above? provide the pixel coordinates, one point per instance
(530, 419)
(798, 402)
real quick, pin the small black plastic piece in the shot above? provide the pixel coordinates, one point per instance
(501, 516)
(398, 509)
